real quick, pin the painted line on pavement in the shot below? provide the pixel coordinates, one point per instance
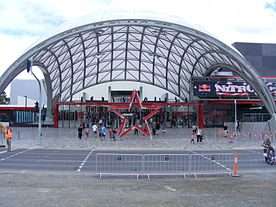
(207, 158)
(18, 153)
(169, 188)
(14, 149)
(85, 159)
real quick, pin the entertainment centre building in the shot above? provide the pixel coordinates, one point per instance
(199, 76)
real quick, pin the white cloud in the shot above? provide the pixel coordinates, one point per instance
(12, 47)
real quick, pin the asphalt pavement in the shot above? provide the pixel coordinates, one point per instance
(63, 171)
(166, 161)
(173, 139)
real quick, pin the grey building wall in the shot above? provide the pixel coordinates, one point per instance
(27, 88)
(261, 55)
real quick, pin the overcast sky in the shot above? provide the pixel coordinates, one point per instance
(23, 22)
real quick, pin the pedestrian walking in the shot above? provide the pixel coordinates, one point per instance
(225, 128)
(94, 128)
(193, 139)
(80, 131)
(153, 131)
(135, 131)
(103, 132)
(114, 132)
(238, 127)
(199, 135)
(1, 131)
(100, 122)
(8, 136)
(86, 132)
(157, 127)
(100, 133)
(194, 128)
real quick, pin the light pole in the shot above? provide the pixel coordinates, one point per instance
(29, 69)
(236, 121)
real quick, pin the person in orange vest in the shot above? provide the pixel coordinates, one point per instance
(8, 136)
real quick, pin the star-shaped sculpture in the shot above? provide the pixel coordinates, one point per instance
(135, 96)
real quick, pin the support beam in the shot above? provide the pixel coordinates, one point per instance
(56, 115)
(201, 115)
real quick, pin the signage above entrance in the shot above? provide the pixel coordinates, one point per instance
(227, 88)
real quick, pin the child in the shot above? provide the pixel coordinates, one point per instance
(114, 132)
(86, 133)
(193, 138)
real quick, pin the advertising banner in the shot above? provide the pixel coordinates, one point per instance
(227, 88)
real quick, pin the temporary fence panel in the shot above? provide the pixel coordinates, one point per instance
(211, 163)
(109, 163)
(164, 164)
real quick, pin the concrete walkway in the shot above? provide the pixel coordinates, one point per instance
(173, 139)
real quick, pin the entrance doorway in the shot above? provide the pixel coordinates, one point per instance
(72, 114)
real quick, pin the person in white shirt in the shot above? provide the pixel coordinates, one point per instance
(199, 135)
(94, 129)
(194, 128)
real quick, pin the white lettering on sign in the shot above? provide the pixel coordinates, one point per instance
(231, 88)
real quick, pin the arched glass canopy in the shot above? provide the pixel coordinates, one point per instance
(154, 52)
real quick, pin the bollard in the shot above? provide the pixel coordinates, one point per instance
(235, 170)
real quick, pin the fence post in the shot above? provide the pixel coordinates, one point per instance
(97, 165)
(143, 165)
(189, 164)
(235, 169)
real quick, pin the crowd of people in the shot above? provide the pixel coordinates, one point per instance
(98, 130)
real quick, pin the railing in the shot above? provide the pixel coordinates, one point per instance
(119, 164)
(163, 164)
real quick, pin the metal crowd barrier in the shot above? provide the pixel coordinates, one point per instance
(119, 164)
(164, 164)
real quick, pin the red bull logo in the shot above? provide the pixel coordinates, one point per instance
(204, 88)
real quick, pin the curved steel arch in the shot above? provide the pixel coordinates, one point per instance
(158, 53)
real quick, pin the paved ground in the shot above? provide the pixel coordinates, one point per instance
(44, 190)
(184, 162)
(176, 138)
(34, 175)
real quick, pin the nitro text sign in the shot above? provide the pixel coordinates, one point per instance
(227, 88)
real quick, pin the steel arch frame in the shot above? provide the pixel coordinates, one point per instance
(162, 54)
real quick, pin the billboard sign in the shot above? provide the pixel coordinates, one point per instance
(227, 88)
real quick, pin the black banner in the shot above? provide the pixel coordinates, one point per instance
(227, 88)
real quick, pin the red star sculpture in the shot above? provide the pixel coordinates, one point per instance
(134, 96)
